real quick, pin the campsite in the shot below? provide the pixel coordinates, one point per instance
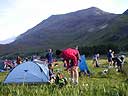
(111, 84)
(63, 47)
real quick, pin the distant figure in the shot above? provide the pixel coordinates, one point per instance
(33, 57)
(113, 56)
(71, 57)
(109, 56)
(8, 64)
(49, 56)
(119, 61)
(95, 60)
(26, 59)
(18, 60)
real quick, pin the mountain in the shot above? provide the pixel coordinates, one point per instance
(126, 12)
(88, 27)
(115, 33)
(61, 30)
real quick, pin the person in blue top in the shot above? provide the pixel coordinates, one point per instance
(109, 56)
(49, 56)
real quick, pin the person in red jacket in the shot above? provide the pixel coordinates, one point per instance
(70, 57)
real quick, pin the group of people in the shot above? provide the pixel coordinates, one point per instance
(71, 58)
(9, 64)
(114, 60)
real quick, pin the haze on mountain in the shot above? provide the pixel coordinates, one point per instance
(86, 27)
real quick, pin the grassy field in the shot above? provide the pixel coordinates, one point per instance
(98, 84)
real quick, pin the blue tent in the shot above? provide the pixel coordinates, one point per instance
(82, 64)
(28, 72)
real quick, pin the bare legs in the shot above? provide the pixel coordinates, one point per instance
(74, 74)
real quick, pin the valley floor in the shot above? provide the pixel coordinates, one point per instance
(111, 84)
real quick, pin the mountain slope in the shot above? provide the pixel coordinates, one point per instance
(116, 32)
(88, 27)
(59, 31)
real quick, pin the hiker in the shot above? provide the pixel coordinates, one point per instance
(113, 56)
(18, 60)
(49, 56)
(95, 60)
(119, 62)
(71, 57)
(109, 56)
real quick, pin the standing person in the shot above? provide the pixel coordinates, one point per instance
(113, 57)
(95, 60)
(109, 56)
(18, 60)
(71, 57)
(49, 56)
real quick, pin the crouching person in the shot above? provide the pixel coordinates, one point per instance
(51, 74)
(119, 61)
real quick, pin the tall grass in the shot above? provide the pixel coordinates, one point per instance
(111, 84)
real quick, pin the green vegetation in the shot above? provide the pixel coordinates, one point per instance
(98, 84)
(101, 49)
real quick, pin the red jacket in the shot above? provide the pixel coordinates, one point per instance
(70, 54)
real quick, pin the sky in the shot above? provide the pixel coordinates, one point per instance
(17, 16)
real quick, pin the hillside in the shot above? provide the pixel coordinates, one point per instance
(88, 27)
(59, 31)
(116, 32)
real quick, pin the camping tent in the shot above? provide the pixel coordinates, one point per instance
(83, 65)
(28, 72)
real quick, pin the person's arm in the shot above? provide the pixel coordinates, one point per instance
(78, 56)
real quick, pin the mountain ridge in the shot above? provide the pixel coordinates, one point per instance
(86, 27)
